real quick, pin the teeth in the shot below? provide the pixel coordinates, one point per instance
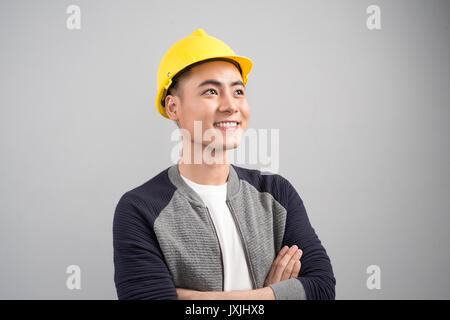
(226, 124)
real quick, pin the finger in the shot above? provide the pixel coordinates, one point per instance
(277, 259)
(290, 266)
(284, 262)
(295, 270)
(297, 266)
(281, 254)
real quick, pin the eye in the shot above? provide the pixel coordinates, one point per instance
(242, 91)
(209, 90)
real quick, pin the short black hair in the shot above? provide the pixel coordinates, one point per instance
(174, 86)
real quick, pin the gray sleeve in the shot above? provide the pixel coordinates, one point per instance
(291, 289)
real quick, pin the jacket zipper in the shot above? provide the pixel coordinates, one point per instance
(220, 248)
(243, 243)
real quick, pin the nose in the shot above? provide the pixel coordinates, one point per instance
(228, 103)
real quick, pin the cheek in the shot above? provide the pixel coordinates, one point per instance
(198, 110)
(245, 111)
(248, 110)
(200, 107)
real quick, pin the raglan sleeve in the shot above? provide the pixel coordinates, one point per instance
(140, 272)
(316, 280)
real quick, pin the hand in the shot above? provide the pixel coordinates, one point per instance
(285, 266)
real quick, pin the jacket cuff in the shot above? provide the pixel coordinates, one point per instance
(291, 289)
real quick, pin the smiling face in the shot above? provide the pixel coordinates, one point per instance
(213, 93)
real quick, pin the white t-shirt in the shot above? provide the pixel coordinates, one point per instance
(236, 272)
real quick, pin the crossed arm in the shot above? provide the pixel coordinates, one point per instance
(285, 266)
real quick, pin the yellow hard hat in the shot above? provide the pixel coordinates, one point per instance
(198, 46)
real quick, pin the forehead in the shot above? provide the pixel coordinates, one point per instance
(215, 69)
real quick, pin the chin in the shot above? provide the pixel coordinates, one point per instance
(225, 146)
(230, 146)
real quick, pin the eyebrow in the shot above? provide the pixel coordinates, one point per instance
(219, 84)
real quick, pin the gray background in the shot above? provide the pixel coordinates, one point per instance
(363, 118)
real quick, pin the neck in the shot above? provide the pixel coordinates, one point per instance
(203, 170)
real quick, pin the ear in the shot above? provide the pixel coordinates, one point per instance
(172, 104)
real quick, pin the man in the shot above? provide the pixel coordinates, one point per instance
(204, 228)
